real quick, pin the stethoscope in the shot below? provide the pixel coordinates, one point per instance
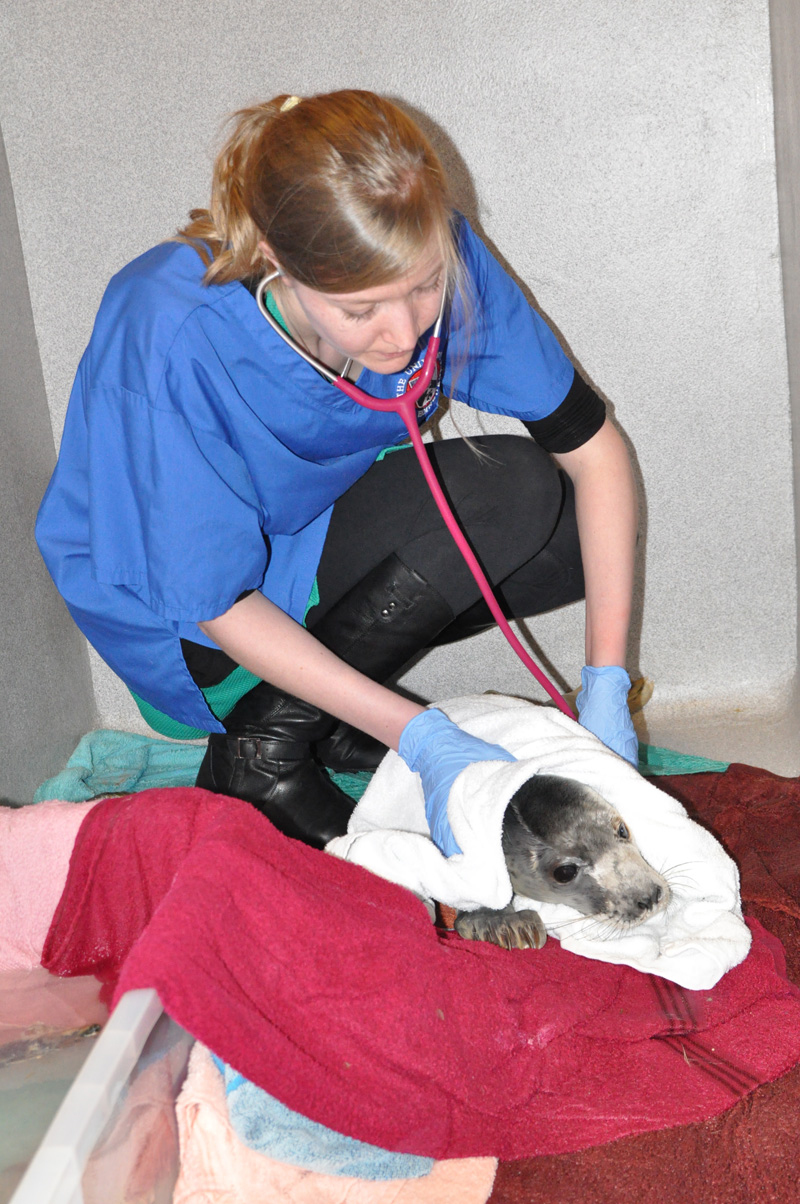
(406, 407)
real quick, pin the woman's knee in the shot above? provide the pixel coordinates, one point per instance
(504, 481)
(507, 495)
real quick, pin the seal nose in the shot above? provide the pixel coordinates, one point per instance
(650, 901)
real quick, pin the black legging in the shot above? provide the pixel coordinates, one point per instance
(518, 511)
(517, 508)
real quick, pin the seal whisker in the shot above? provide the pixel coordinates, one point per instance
(674, 878)
(614, 929)
(587, 926)
(676, 884)
(681, 867)
(574, 921)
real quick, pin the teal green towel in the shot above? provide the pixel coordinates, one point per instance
(657, 762)
(109, 762)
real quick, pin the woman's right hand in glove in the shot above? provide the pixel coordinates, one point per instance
(437, 749)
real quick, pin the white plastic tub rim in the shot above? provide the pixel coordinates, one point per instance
(56, 1172)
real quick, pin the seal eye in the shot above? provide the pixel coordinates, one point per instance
(623, 833)
(565, 873)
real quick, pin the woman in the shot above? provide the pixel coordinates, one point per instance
(212, 488)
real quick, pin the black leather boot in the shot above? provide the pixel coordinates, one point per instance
(377, 627)
(266, 758)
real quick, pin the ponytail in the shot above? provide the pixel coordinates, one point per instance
(225, 235)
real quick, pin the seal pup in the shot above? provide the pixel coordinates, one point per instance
(564, 843)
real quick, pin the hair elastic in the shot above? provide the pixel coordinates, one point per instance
(289, 103)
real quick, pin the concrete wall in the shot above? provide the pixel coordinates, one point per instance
(620, 156)
(46, 701)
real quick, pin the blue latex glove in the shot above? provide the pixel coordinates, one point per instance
(438, 750)
(603, 709)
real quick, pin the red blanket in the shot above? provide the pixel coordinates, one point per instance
(330, 989)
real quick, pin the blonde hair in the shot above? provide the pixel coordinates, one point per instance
(343, 186)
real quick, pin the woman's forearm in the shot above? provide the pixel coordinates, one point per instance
(607, 511)
(265, 640)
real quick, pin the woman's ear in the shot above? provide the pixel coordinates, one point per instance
(266, 251)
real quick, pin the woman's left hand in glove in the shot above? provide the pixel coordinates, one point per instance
(602, 705)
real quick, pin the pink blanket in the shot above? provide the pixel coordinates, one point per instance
(35, 847)
(330, 989)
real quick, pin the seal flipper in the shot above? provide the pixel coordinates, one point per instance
(508, 928)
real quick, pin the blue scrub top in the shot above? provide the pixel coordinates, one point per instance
(201, 455)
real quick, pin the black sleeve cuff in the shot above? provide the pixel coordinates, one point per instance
(573, 423)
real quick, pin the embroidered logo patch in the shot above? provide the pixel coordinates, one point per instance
(426, 404)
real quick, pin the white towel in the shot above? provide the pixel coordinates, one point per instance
(699, 936)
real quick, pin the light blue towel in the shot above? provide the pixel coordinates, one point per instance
(266, 1125)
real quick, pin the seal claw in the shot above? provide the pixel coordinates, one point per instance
(508, 928)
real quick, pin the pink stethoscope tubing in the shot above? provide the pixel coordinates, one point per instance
(405, 406)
